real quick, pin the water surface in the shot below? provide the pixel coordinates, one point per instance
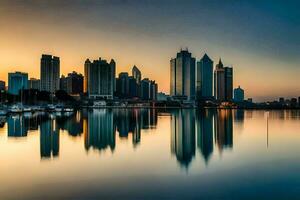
(148, 153)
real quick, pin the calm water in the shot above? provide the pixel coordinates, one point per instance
(147, 154)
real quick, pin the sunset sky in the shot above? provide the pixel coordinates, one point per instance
(259, 38)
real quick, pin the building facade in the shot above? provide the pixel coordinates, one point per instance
(182, 77)
(50, 73)
(16, 82)
(204, 78)
(100, 78)
(136, 73)
(223, 82)
(2, 86)
(239, 94)
(34, 83)
(72, 84)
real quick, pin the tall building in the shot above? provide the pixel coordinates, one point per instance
(34, 83)
(182, 82)
(122, 85)
(136, 73)
(204, 79)
(223, 82)
(239, 95)
(148, 89)
(50, 73)
(2, 85)
(72, 84)
(100, 78)
(16, 82)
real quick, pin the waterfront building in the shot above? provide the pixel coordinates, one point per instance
(50, 73)
(34, 83)
(72, 84)
(182, 77)
(148, 89)
(223, 82)
(239, 94)
(100, 78)
(2, 86)
(136, 73)
(122, 84)
(16, 82)
(204, 78)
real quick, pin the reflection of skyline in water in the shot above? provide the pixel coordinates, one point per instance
(205, 130)
(211, 126)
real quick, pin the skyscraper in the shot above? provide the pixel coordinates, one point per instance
(204, 80)
(148, 89)
(219, 82)
(100, 78)
(50, 73)
(136, 73)
(223, 79)
(16, 82)
(182, 82)
(239, 94)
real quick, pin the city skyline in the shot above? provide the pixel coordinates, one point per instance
(266, 50)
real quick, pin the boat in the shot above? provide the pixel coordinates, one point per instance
(16, 109)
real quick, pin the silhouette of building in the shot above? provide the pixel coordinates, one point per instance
(34, 83)
(204, 80)
(2, 86)
(239, 95)
(122, 84)
(148, 89)
(100, 78)
(136, 73)
(49, 139)
(183, 136)
(223, 82)
(204, 125)
(50, 73)
(16, 82)
(72, 84)
(182, 77)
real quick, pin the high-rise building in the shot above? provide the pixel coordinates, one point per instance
(50, 73)
(100, 78)
(136, 73)
(16, 82)
(2, 85)
(204, 80)
(223, 82)
(122, 85)
(228, 83)
(182, 82)
(72, 84)
(239, 95)
(34, 83)
(148, 89)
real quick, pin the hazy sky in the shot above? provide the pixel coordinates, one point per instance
(259, 38)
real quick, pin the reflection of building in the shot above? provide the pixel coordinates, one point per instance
(224, 129)
(100, 130)
(204, 126)
(50, 72)
(183, 135)
(16, 82)
(49, 138)
(72, 124)
(16, 126)
(182, 82)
